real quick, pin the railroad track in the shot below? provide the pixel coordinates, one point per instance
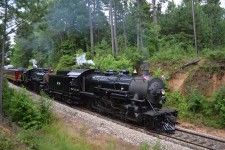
(188, 138)
(198, 139)
(191, 139)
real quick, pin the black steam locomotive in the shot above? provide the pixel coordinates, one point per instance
(138, 99)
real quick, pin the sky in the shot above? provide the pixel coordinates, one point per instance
(179, 2)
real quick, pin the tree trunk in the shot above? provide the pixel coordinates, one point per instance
(3, 56)
(91, 27)
(111, 22)
(155, 21)
(115, 35)
(154, 12)
(124, 28)
(194, 26)
(141, 39)
(138, 25)
(124, 33)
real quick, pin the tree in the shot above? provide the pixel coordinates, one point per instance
(4, 34)
(111, 25)
(31, 38)
(215, 20)
(115, 28)
(91, 26)
(177, 24)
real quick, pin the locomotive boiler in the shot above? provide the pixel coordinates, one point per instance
(137, 99)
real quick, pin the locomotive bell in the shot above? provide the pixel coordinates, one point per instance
(145, 72)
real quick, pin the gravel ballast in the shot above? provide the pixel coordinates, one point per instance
(106, 126)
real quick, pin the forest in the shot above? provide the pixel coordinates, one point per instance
(126, 32)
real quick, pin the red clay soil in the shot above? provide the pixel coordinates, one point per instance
(176, 83)
(5, 130)
(218, 81)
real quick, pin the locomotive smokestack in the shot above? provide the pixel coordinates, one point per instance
(145, 72)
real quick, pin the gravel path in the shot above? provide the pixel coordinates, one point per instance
(108, 127)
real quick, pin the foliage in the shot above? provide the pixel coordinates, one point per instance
(172, 53)
(54, 136)
(6, 142)
(158, 146)
(26, 113)
(110, 62)
(103, 48)
(209, 111)
(177, 22)
(133, 54)
(7, 96)
(145, 146)
(61, 27)
(44, 105)
(195, 101)
(23, 110)
(215, 55)
(178, 101)
(66, 62)
(29, 138)
(218, 101)
(159, 73)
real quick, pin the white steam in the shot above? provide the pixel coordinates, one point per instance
(34, 62)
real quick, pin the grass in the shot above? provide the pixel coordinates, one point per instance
(55, 136)
(7, 141)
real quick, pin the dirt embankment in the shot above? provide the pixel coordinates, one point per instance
(177, 81)
(206, 79)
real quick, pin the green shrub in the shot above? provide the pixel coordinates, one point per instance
(159, 73)
(27, 113)
(29, 138)
(104, 48)
(110, 62)
(177, 100)
(172, 53)
(145, 146)
(196, 101)
(89, 56)
(66, 62)
(23, 110)
(214, 55)
(219, 105)
(7, 95)
(44, 104)
(133, 54)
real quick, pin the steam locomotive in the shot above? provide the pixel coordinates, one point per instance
(137, 99)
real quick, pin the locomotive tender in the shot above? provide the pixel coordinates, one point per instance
(137, 99)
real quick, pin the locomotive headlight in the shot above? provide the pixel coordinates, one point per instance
(163, 92)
